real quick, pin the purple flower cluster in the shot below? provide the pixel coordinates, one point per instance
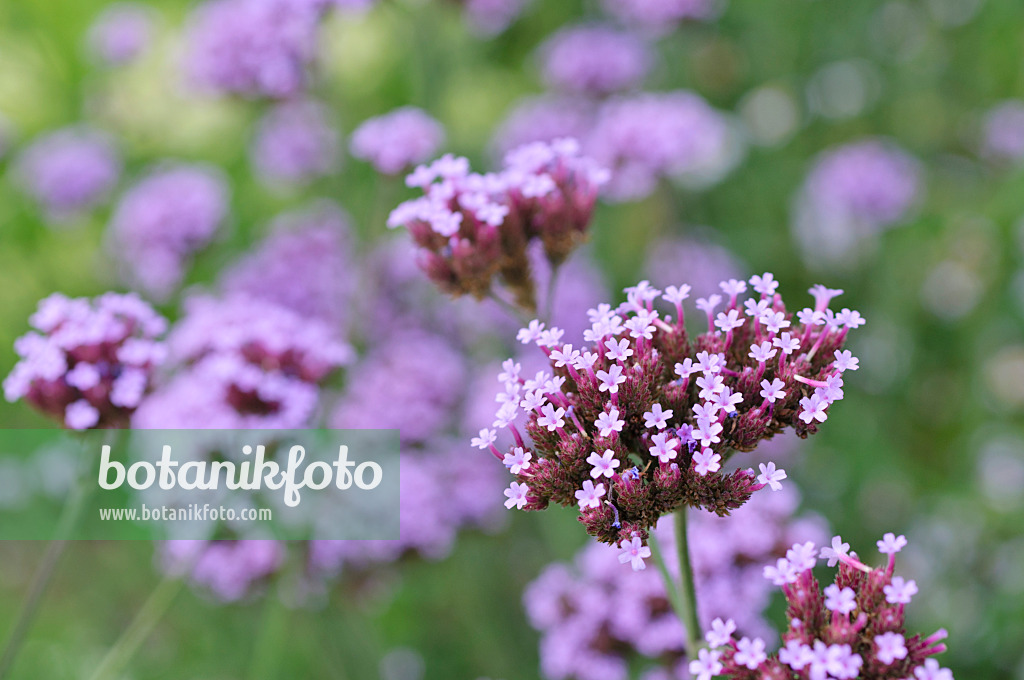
(472, 228)
(851, 193)
(1004, 131)
(594, 60)
(91, 362)
(245, 364)
(641, 138)
(253, 48)
(69, 171)
(397, 140)
(295, 143)
(597, 620)
(854, 629)
(121, 32)
(648, 136)
(229, 570)
(304, 265)
(163, 219)
(640, 422)
(659, 15)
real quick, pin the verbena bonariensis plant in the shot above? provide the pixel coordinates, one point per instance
(639, 423)
(473, 228)
(854, 629)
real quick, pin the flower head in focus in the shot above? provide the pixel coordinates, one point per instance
(855, 630)
(671, 407)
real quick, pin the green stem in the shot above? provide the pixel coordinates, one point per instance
(44, 575)
(139, 629)
(687, 589)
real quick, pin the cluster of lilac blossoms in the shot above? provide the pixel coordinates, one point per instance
(596, 60)
(852, 193)
(473, 228)
(641, 421)
(598, 620)
(854, 629)
(69, 171)
(121, 32)
(397, 140)
(163, 219)
(253, 47)
(243, 363)
(91, 362)
(295, 143)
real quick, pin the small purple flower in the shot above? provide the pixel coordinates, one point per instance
(602, 464)
(163, 219)
(771, 476)
(121, 32)
(890, 647)
(516, 495)
(590, 496)
(398, 140)
(295, 143)
(635, 552)
(842, 600)
(891, 544)
(69, 171)
(900, 591)
(593, 59)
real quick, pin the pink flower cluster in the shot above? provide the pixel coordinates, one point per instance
(642, 420)
(91, 362)
(473, 228)
(243, 363)
(853, 630)
(597, 619)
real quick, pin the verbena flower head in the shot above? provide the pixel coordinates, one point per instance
(89, 362)
(648, 136)
(121, 32)
(593, 59)
(851, 193)
(254, 48)
(637, 365)
(243, 363)
(474, 228)
(660, 15)
(228, 570)
(1003, 131)
(398, 140)
(599, 620)
(855, 629)
(163, 219)
(295, 143)
(304, 265)
(69, 171)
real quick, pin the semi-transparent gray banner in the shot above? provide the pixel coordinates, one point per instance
(199, 484)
